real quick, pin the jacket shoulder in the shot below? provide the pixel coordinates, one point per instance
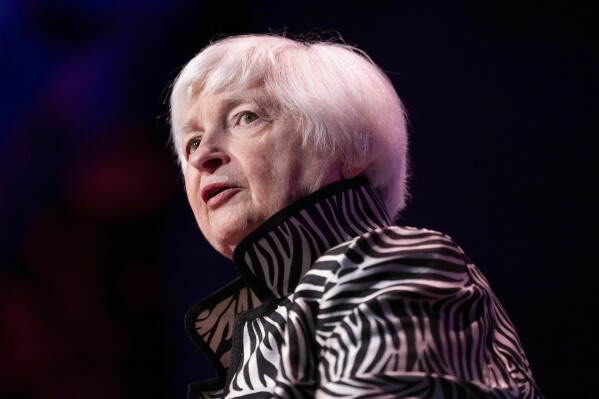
(394, 249)
(393, 263)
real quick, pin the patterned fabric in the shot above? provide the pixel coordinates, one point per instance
(334, 302)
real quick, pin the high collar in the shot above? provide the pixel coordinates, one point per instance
(274, 257)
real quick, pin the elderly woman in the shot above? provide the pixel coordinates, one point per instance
(295, 165)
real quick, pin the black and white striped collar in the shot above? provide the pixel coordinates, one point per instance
(274, 257)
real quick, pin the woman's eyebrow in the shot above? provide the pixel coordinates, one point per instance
(243, 96)
(233, 101)
(189, 127)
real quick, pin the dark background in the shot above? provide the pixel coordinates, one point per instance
(99, 253)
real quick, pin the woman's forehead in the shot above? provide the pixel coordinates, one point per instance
(234, 91)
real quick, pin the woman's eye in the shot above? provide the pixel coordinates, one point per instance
(192, 145)
(246, 118)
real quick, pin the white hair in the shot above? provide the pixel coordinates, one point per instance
(345, 105)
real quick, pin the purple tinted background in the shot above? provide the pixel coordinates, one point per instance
(100, 256)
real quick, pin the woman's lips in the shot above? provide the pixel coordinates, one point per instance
(214, 195)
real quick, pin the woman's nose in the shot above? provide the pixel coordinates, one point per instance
(208, 158)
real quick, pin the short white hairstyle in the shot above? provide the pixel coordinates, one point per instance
(345, 105)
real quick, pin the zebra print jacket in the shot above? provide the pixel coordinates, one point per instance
(335, 302)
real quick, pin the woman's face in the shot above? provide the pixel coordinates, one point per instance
(244, 164)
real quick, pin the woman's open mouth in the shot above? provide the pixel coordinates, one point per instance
(215, 195)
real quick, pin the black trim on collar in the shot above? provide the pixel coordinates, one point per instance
(282, 215)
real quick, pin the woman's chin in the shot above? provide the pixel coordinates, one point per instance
(226, 240)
